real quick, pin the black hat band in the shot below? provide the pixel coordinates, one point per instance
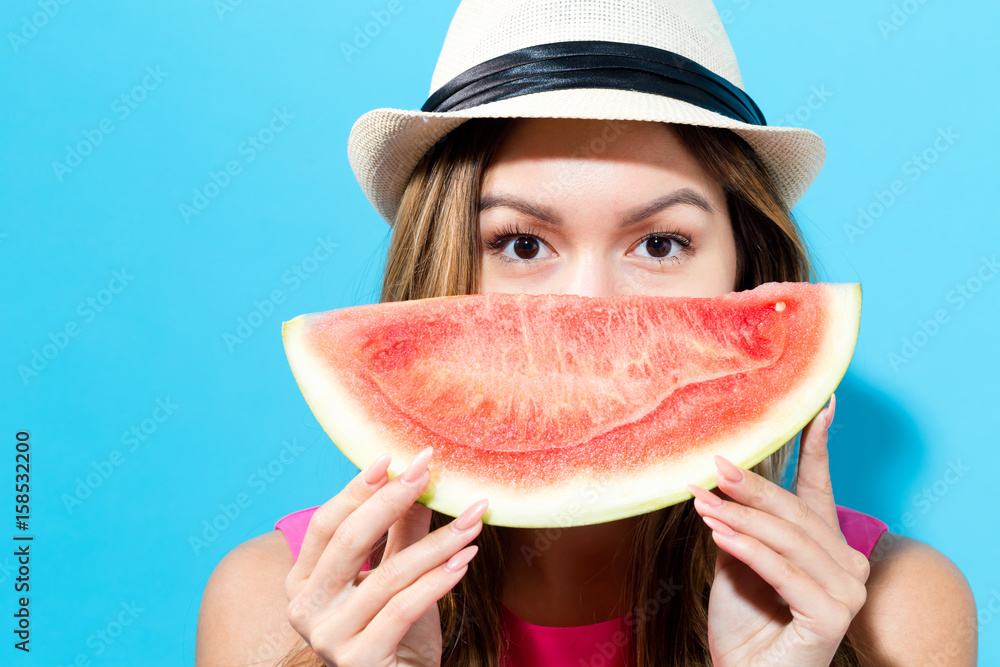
(595, 64)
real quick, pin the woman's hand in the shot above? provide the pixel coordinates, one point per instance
(787, 583)
(387, 616)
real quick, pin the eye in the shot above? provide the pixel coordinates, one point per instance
(665, 246)
(525, 245)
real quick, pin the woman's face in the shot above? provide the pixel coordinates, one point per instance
(596, 208)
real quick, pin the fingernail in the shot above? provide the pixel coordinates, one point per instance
(461, 559)
(729, 471)
(831, 409)
(470, 517)
(718, 526)
(417, 467)
(376, 471)
(705, 496)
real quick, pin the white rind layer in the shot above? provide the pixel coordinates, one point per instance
(585, 499)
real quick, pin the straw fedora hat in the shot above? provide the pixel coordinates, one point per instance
(653, 60)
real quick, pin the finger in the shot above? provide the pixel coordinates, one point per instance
(763, 494)
(807, 600)
(846, 584)
(813, 482)
(404, 568)
(328, 517)
(352, 541)
(391, 624)
(339, 565)
(411, 527)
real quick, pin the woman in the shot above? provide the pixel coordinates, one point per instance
(666, 182)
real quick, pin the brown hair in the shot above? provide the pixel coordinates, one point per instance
(434, 252)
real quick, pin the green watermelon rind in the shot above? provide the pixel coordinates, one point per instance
(572, 502)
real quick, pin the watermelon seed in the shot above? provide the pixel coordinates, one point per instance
(780, 306)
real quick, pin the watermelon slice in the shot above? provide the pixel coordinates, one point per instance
(566, 410)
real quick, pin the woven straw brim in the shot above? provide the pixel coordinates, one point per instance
(385, 144)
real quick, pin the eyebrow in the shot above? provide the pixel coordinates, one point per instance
(676, 198)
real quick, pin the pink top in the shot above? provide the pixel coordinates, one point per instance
(544, 646)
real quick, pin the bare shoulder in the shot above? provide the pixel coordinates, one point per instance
(920, 607)
(242, 616)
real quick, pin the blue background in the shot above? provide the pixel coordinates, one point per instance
(901, 424)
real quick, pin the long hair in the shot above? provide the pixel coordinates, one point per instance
(434, 252)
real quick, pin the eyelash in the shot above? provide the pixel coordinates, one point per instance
(510, 231)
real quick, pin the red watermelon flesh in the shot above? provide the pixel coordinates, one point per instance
(568, 410)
